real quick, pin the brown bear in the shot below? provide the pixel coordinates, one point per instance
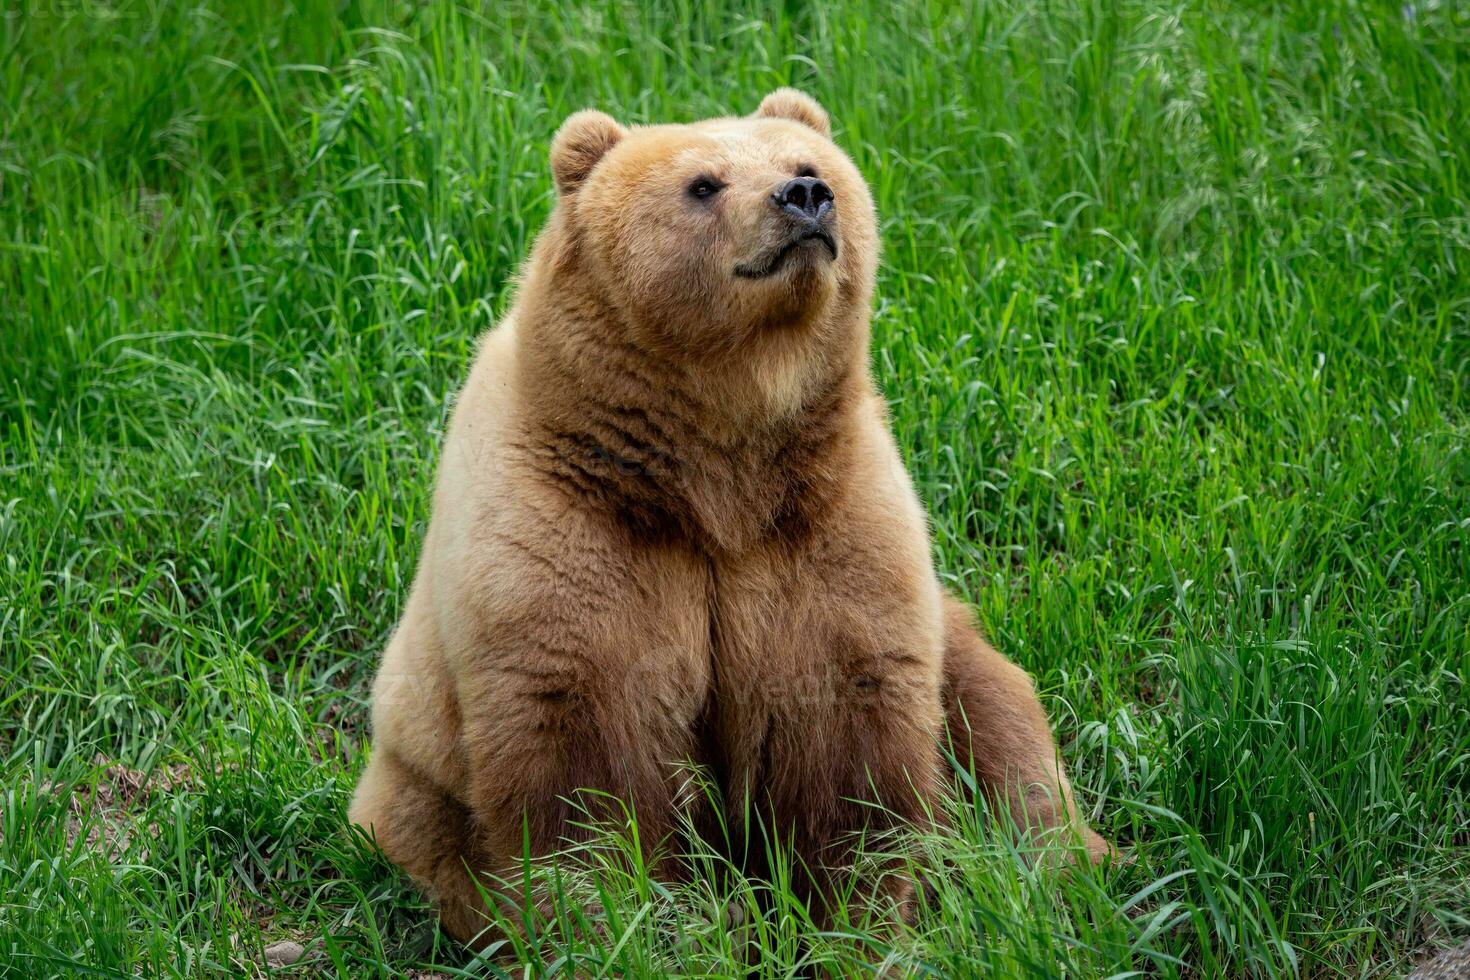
(671, 527)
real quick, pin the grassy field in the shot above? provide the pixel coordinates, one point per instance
(1174, 318)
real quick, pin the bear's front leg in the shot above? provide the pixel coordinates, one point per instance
(547, 745)
(552, 749)
(576, 663)
(828, 710)
(828, 773)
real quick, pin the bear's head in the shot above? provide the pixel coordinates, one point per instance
(708, 237)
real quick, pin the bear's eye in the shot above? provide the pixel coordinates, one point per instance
(704, 187)
(806, 170)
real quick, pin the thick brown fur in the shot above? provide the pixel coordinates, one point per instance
(671, 526)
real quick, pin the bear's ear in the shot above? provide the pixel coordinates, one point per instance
(582, 140)
(788, 103)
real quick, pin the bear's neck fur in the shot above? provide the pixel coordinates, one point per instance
(693, 447)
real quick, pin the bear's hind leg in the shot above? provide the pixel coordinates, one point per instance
(998, 731)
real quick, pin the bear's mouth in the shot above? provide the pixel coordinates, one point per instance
(771, 263)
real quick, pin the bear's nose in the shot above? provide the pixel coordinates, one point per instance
(804, 197)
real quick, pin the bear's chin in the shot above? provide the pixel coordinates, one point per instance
(797, 298)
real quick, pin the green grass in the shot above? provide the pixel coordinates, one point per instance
(1174, 317)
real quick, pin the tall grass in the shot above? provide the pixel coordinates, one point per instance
(1174, 318)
